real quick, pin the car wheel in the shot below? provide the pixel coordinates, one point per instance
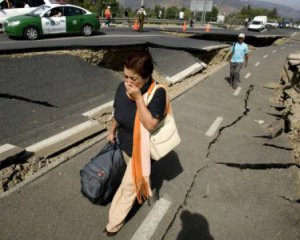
(87, 30)
(31, 33)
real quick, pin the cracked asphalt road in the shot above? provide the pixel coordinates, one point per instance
(209, 200)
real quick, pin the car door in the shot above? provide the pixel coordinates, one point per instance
(54, 23)
(75, 18)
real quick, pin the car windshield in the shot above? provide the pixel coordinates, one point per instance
(39, 10)
(256, 23)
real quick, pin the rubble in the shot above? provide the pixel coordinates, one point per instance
(288, 95)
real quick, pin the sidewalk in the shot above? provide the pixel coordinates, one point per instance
(227, 186)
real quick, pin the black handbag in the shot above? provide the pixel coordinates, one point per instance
(101, 177)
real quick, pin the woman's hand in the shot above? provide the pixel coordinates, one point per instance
(133, 91)
(111, 138)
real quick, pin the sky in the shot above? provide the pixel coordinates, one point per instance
(290, 3)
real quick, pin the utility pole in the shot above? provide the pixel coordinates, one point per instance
(142, 2)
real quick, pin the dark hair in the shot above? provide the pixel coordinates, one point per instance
(141, 63)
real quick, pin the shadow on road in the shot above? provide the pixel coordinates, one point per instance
(167, 169)
(228, 80)
(194, 227)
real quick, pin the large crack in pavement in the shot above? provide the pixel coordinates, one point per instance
(259, 166)
(14, 97)
(245, 113)
(189, 190)
(181, 206)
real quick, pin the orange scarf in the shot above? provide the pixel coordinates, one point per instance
(141, 161)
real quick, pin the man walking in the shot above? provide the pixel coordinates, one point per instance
(239, 58)
(107, 14)
(141, 13)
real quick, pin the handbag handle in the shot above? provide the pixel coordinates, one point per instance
(151, 95)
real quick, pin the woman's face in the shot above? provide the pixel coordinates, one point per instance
(131, 77)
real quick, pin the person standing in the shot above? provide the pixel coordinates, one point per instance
(141, 13)
(126, 17)
(181, 16)
(239, 58)
(107, 16)
(132, 117)
(159, 13)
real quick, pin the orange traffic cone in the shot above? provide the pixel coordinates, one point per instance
(136, 25)
(207, 27)
(184, 26)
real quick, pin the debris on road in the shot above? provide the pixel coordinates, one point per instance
(288, 95)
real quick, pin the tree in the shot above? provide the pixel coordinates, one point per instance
(172, 12)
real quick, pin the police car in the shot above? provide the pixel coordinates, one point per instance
(52, 19)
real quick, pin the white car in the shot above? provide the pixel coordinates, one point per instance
(272, 24)
(256, 26)
(12, 12)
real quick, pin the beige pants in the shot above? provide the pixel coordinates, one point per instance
(123, 199)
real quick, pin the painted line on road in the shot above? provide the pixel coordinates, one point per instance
(237, 91)
(63, 136)
(214, 127)
(257, 64)
(248, 75)
(266, 56)
(150, 223)
(274, 51)
(96, 110)
(6, 147)
(283, 48)
(196, 67)
(9, 151)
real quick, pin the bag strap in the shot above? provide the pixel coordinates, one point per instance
(151, 95)
(233, 48)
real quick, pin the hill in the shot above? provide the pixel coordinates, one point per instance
(225, 6)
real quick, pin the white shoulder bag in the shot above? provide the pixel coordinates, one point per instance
(165, 138)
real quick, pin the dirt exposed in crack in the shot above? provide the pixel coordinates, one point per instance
(287, 96)
(245, 113)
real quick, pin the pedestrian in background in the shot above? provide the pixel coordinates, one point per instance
(131, 116)
(239, 58)
(107, 16)
(141, 13)
(159, 14)
(181, 16)
(126, 17)
(192, 16)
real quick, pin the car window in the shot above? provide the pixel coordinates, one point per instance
(39, 10)
(72, 11)
(55, 12)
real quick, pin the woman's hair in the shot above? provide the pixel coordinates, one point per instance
(141, 63)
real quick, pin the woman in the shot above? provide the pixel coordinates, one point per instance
(133, 120)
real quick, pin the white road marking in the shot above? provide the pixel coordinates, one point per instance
(61, 136)
(98, 109)
(237, 91)
(186, 72)
(257, 64)
(283, 48)
(214, 127)
(265, 56)
(6, 147)
(248, 75)
(274, 51)
(150, 223)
